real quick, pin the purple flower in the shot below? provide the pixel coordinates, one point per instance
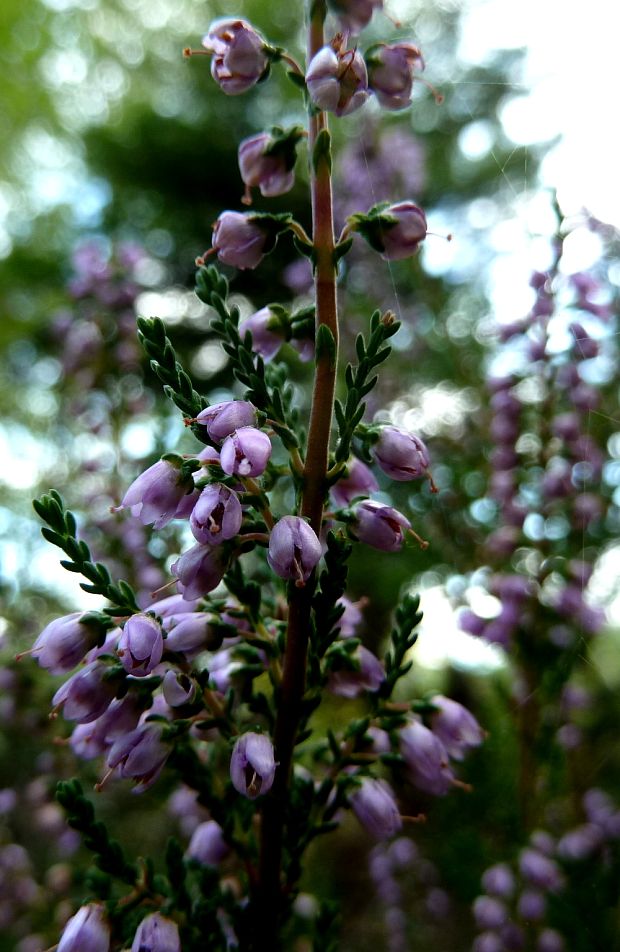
(268, 330)
(239, 59)
(191, 633)
(369, 677)
(401, 455)
(86, 695)
(395, 232)
(390, 73)
(207, 844)
(172, 605)
(222, 419)
(426, 758)
(199, 570)
(337, 80)
(141, 755)
(294, 549)
(354, 15)
(550, 940)
(379, 525)
(157, 493)
(239, 240)
(455, 726)
(267, 163)
(357, 481)
(351, 616)
(156, 933)
(532, 905)
(499, 880)
(87, 931)
(92, 739)
(252, 765)
(217, 515)
(178, 688)
(375, 807)
(489, 913)
(245, 452)
(140, 645)
(539, 870)
(63, 643)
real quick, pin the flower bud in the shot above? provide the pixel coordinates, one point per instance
(370, 676)
(63, 643)
(401, 455)
(140, 645)
(252, 765)
(455, 726)
(539, 870)
(394, 231)
(337, 80)
(426, 758)
(379, 525)
(199, 570)
(499, 880)
(267, 162)
(294, 549)
(178, 688)
(268, 328)
(157, 933)
(354, 15)
(86, 695)
(375, 807)
(191, 633)
(390, 73)
(239, 240)
(207, 844)
(489, 913)
(156, 494)
(358, 481)
(222, 419)
(239, 60)
(217, 515)
(87, 931)
(245, 452)
(141, 755)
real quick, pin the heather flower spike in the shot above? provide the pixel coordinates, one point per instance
(252, 765)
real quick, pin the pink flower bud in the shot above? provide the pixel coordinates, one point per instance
(294, 549)
(401, 239)
(245, 452)
(239, 59)
(354, 15)
(157, 493)
(267, 163)
(268, 331)
(63, 643)
(140, 645)
(426, 758)
(252, 765)
(337, 80)
(390, 73)
(239, 240)
(379, 525)
(369, 677)
(87, 931)
(157, 933)
(457, 729)
(217, 515)
(358, 481)
(141, 755)
(199, 570)
(207, 844)
(375, 807)
(222, 419)
(401, 455)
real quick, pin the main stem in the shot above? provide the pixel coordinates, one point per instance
(269, 893)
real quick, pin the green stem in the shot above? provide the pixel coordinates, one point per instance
(269, 895)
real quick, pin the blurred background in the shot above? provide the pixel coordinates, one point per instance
(117, 155)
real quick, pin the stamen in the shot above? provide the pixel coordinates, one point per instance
(104, 779)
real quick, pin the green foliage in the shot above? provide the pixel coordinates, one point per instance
(177, 384)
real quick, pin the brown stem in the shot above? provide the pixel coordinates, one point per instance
(269, 894)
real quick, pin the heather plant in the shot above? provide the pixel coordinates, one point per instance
(222, 684)
(230, 678)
